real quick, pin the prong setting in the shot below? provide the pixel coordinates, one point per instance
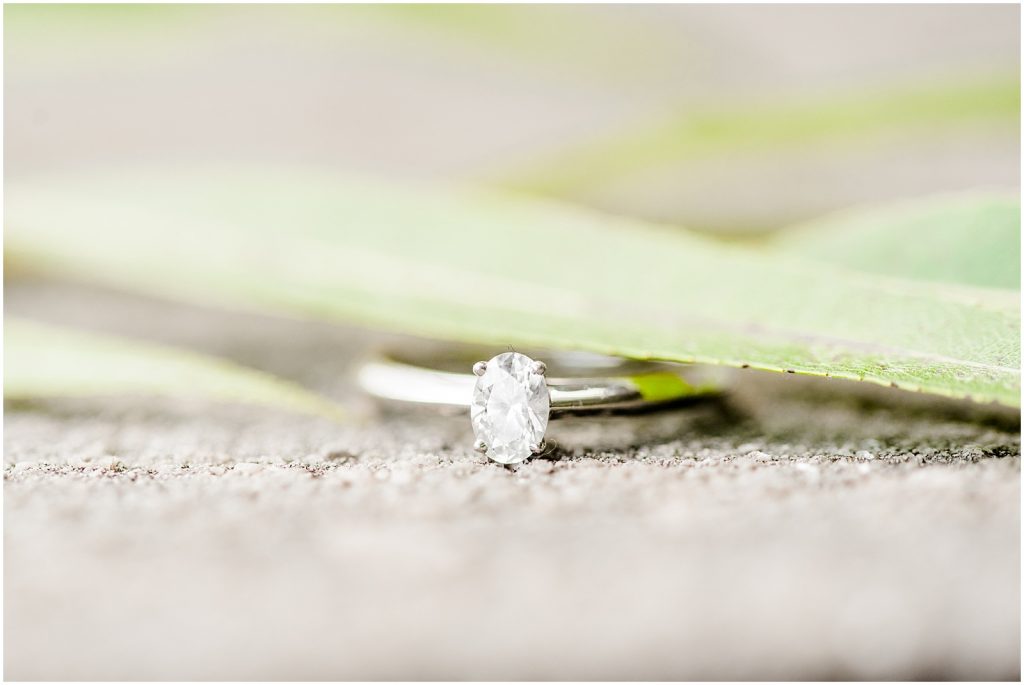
(480, 446)
(539, 447)
(479, 368)
(540, 367)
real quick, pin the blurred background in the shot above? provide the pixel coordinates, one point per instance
(165, 538)
(728, 118)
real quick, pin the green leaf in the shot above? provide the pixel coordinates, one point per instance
(506, 270)
(972, 239)
(696, 135)
(45, 361)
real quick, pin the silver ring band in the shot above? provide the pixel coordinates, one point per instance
(578, 382)
(512, 396)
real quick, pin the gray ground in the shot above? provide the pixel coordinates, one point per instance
(803, 529)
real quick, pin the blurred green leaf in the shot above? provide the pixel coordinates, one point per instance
(44, 361)
(559, 37)
(507, 270)
(701, 134)
(971, 239)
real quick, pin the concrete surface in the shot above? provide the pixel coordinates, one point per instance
(803, 529)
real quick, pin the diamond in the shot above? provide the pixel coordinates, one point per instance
(510, 407)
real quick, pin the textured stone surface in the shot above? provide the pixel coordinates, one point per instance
(803, 529)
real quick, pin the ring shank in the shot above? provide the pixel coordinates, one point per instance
(578, 383)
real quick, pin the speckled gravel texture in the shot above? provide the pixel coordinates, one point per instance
(801, 529)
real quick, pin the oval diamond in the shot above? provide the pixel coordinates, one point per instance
(510, 407)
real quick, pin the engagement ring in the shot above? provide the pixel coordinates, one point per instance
(511, 397)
